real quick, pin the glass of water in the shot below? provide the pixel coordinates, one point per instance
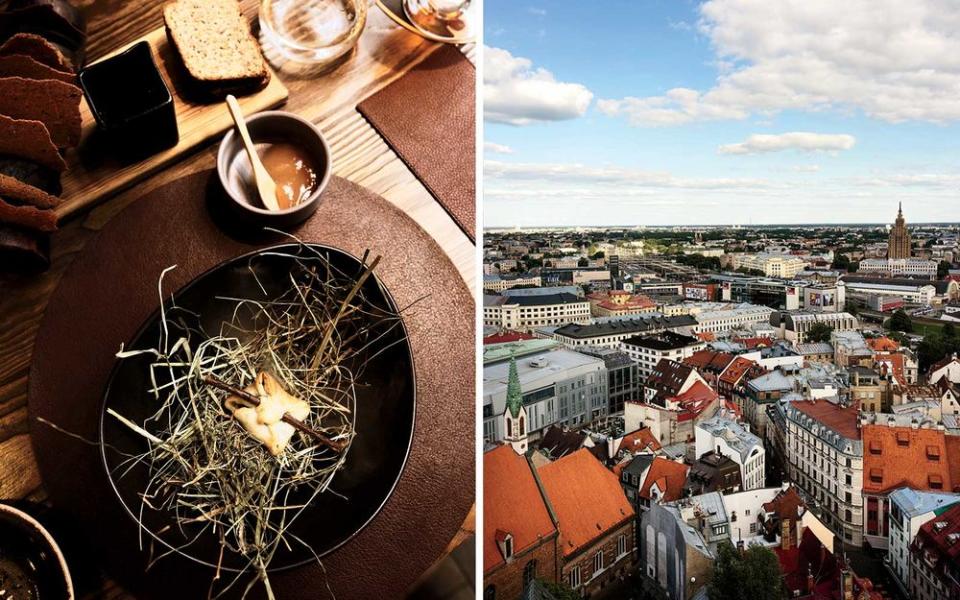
(310, 34)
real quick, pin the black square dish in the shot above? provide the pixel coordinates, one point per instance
(131, 102)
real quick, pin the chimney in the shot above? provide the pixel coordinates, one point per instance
(811, 581)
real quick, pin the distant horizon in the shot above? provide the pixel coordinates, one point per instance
(725, 225)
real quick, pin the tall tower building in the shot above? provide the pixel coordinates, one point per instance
(515, 414)
(899, 243)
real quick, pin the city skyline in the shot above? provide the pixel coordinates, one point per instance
(695, 114)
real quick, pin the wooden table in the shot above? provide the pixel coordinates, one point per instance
(384, 53)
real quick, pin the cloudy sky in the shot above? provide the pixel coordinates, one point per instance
(721, 112)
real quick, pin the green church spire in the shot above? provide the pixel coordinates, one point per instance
(514, 394)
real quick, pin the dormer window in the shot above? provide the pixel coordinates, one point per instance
(505, 544)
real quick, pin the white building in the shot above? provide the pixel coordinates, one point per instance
(895, 267)
(794, 326)
(494, 282)
(914, 292)
(909, 510)
(772, 265)
(734, 441)
(558, 387)
(825, 460)
(715, 321)
(525, 313)
(648, 350)
(608, 332)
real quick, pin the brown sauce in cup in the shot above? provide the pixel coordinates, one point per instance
(292, 170)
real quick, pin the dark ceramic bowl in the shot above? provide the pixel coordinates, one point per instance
(235, 172)
(30, 556)
(131, 102)
(383, 417)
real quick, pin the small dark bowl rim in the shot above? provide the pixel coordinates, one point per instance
(222, 166)
(146, 324)
(11, 512)
(91, 102)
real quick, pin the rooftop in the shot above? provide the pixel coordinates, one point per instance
(534, 300)
(914, 503)
(625, 326)
(734, 434)
(512, 503)
(669, 477)
(896, 457)
(840, 419)
(586, 497)
(666, 340)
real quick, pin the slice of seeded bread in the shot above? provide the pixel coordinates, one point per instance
(216, 46)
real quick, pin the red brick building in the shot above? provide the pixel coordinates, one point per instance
(595, 520)
(520, 537)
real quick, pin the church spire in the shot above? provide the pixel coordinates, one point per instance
(514, 394)
(900, 209)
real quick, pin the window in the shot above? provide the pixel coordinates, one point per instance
(529, 572)
(621, 545)
(575, 577)
(522, 430)
(490, 592)
(597, 562)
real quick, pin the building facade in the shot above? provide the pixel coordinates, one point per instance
(898, 244)
(526, 313)
(733, 440)
(825, 460)
(649, 350)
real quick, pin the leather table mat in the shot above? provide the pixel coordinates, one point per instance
(111, 288)
(428, 118)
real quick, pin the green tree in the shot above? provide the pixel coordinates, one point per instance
(943, 268)
(751, 575)
(819, 332)
(950, 331)
(560, 591)
(583, 262)
(900, 321)
(841, 262)
(597, 255)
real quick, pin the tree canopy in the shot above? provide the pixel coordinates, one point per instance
(900, 321)
(819, 332)
(751, 575)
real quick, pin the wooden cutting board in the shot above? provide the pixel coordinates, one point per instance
(93, 174)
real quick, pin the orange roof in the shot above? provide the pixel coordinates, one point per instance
(755, 342)
(891, 362)
(639, 440)
(669, 477)
(902, 456)
(695, 400)
(586, 497)
(736, 370)
(706, 336)
(843, 420)
(512, 504)
(883, 344)
(953, 451)
(709, 360)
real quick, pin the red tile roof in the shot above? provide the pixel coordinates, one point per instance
(709, 360)
(755, 342)
(896, 457)
(695, 400)
(506, 336)
(512, 503)
(811, 557)
(669, 476)
(586, 497)
(640, 440)
(892, 363)
(938, 539)
(843, 420)
(736, 370)
(883, 344)
(706, 336)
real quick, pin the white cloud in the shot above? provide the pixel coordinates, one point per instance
(893, 60)
(517, 93)
(540, 12)
(806, 168)
(497, 148)
(928, 180)
(795, 140)
(578, 174)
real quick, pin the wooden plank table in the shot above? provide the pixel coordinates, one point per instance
(385, 52)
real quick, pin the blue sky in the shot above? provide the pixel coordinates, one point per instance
(723, 112)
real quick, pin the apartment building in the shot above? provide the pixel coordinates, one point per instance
(610, 331)
(648, 350)
(494, 282)
(909, 510)
(825, 460)
(772, 265)
(794, 326)
(526, 313)
(716, 321)
(733, 440)
(899, 267)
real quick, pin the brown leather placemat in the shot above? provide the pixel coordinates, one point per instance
(428, 118)
(111, 289)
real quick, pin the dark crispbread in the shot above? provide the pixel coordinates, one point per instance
(54, 103)
(18, 192)
(37, 48)
(21, 65)
(216, 46)
(29, 140)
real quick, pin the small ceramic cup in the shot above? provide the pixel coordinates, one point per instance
(25, 540)
(236, 174)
